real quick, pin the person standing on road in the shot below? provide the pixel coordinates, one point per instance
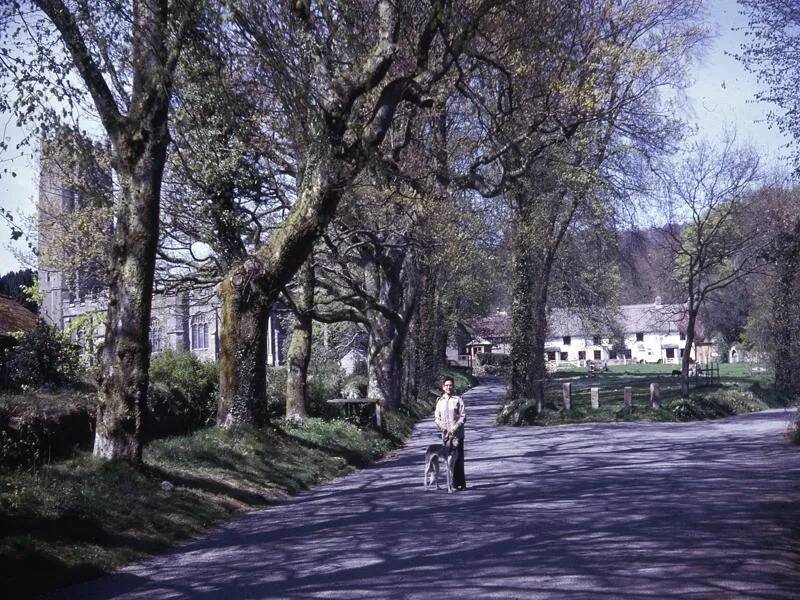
(450, 417)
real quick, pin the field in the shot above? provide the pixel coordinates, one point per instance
(741, 388)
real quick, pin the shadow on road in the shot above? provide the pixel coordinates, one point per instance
(633, 510)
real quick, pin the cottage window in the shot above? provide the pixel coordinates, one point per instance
(199, 332)
(567, 340)
(156, 335)
(581, 354)
(639, 337)
(682, 335)
(670, 352)
(597, 340)
(564, 356)
(628, 353)
(551, 356)
(598, 354)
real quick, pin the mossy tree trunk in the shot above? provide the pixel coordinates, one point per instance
(385, 362)
(242, 375)
(785, 314)
(122, 398)
(522, 303)
(299, 354)
(388, 324)
(272, 267)
(139, 138)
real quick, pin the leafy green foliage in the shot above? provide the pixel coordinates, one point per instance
(43, 356)
(185, 385)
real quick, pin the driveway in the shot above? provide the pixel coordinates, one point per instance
(630, 510)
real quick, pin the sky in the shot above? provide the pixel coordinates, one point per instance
(721, 98)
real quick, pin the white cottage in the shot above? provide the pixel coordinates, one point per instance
(648, 333)
(645, 333)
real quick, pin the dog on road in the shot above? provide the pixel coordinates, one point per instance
(435, 456)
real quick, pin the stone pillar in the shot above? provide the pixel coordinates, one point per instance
(655, 395)
(628, 397)
(595, 393)
(567, 389)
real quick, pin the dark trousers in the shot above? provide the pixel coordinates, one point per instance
(459, 479)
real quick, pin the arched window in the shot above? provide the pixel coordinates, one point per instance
(156, 336)
(199, 331)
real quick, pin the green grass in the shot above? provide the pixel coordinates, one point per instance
(77, 519)
(740, 391)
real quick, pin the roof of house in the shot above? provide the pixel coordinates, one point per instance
(495, 327)
(629, 318)
(15, 317)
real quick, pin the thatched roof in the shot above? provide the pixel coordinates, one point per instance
(629, 319)
(15, 317)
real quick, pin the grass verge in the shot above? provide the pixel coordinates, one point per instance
(740, 391)
(74, 520)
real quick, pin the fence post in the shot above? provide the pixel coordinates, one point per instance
(655, 395)
(595, 393)
(627, 397)
(567, 389)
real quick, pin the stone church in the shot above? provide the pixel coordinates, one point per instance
(77, 301)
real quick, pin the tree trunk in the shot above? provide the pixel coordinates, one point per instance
(784, 322)
(298, 358)
(122, 398)
(690, 326)
(385, 363)
(427, 333)
(299, 354)
(522, 302)
(242, 373)
(539, 325)
(323, 181)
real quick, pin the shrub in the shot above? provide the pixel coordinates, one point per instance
(276, 391)
(43, 356)
(324, 382)
(489, 363)
(355, 386)
(184, 387)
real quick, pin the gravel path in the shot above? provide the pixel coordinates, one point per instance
(634, 510)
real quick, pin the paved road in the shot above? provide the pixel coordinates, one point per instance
(638, 510)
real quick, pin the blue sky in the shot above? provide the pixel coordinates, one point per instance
(721, 97)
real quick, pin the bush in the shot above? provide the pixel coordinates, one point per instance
(355, 386)
(490, 364)
(276, 392)
(184, 392)
(43, 356)
(324, 382)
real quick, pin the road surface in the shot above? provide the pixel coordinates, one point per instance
(628, 510)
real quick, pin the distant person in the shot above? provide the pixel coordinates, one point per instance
(450, 418)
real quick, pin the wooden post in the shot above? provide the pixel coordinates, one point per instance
(595, 393)
(655, 395)
(567, 390)
(378, 423)
(628, 397)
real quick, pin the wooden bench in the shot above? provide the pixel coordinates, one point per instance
(349, 405)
